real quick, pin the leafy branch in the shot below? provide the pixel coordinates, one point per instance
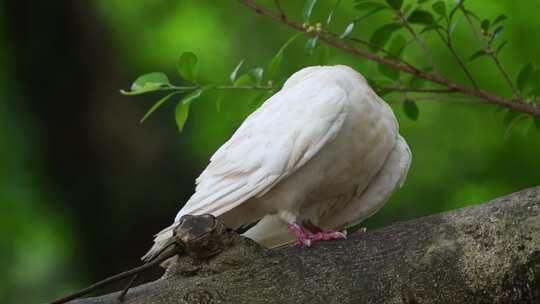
(187, 69)
(441, 19)
(486, 45)
(418, 16)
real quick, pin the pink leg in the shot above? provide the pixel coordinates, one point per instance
(320, 234)
(314, 233)
(302, 235)
(326, 235)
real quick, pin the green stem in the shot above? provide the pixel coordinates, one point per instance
(450, 47)
(491, 54)
(419, 40)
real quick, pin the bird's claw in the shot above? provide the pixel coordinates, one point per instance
(326, 235)
(305, 238)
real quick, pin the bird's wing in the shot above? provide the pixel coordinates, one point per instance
(271, 144)
(390, 178)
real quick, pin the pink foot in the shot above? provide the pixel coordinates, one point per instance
(326, 235)
(320, 234)
(301, 234)
(312, 233)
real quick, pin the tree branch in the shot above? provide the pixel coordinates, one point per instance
(330, 39)
(488, 253)
(414, 90)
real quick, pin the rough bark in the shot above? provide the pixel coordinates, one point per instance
(487, 253)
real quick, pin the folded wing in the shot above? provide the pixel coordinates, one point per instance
(271, 144)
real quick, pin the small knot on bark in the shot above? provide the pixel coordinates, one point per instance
(210, 248)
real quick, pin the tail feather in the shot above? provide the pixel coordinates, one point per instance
(161, 240)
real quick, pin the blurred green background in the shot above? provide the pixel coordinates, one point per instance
(84, 186)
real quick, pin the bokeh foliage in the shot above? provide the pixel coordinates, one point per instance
(462, 154)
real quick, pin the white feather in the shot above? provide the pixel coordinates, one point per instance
(307, 153)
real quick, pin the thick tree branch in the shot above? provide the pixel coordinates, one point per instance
(330, 38)
(488, 253)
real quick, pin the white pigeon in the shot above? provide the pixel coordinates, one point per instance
(324, 151)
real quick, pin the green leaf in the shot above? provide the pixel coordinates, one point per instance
(156, 105)
(496, 33)
(535, 91)
(422, 1)
(411, 109)
(509, 116)
(308, 9)
(332, 12)
(501, 46)
(347, 30)
(395, 4)
(256, 75)
(311, 44)
(188, 67)
(182, 108)
(275, 62)
(455, 9)
(525, 76)
(273, 66)
(148, 83)
(420, 16)
(537, 123)
(244, 79)
(485, 25)
(381, 36)
(407, 9)
(397, 46)
(520, 124)
(499, 19)
(439, 7)
(453, 26)
(181, 114)
(477, 55)
(431, 27)
(234, 73)
(189, 98)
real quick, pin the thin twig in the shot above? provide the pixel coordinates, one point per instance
(495, 59)
(450, 46)
(197, 87)
(413, 90)
(491, 54)
(223, 87)
(420, 42)
(439, 98)
(281, 11)
(128, 286)
(435, 78)
(378, 48)
(450, 99)
(164, 255)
